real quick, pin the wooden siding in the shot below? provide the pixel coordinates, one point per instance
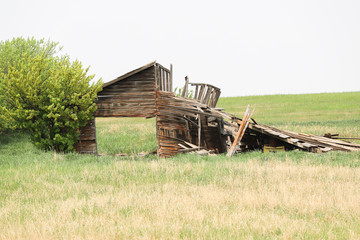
(181, 123)
(178, 124)
(133, 96)
(163, 78)
(202, 92)
(87, 139)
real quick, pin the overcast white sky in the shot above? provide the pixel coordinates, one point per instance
(252, 47)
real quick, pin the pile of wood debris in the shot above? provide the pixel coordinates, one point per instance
(248, 135)
(234, 135)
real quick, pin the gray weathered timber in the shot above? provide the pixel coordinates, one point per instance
(147, 92)
(133, 96)
(204, 93)
(182, 121)
(87, 139)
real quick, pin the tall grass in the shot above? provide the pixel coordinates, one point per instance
(189, 197)
(289, 195)
(125, 135)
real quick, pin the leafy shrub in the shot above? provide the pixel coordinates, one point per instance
(11, 52)
(49, 96)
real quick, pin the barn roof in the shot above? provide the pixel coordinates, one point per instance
(126, 75)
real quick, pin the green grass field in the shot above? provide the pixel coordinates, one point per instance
(288, 195)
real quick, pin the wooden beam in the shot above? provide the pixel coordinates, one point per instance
(167, 78)
(244, 123)
(201, 92)
(196, 92)
(207, 96)
(199, 131)
(194, 84)
(183, 94)
(171, 78)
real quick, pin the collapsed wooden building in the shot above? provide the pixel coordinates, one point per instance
(191, 121)
(148, 92)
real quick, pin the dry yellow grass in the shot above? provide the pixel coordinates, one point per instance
(182, 200)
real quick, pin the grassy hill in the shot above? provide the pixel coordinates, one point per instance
(307, 113)
(44, 195)
(275, 109)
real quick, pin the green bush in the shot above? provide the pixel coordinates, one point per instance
(49, 96)
(11, 53)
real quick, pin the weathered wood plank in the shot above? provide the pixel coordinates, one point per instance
(87, 139)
